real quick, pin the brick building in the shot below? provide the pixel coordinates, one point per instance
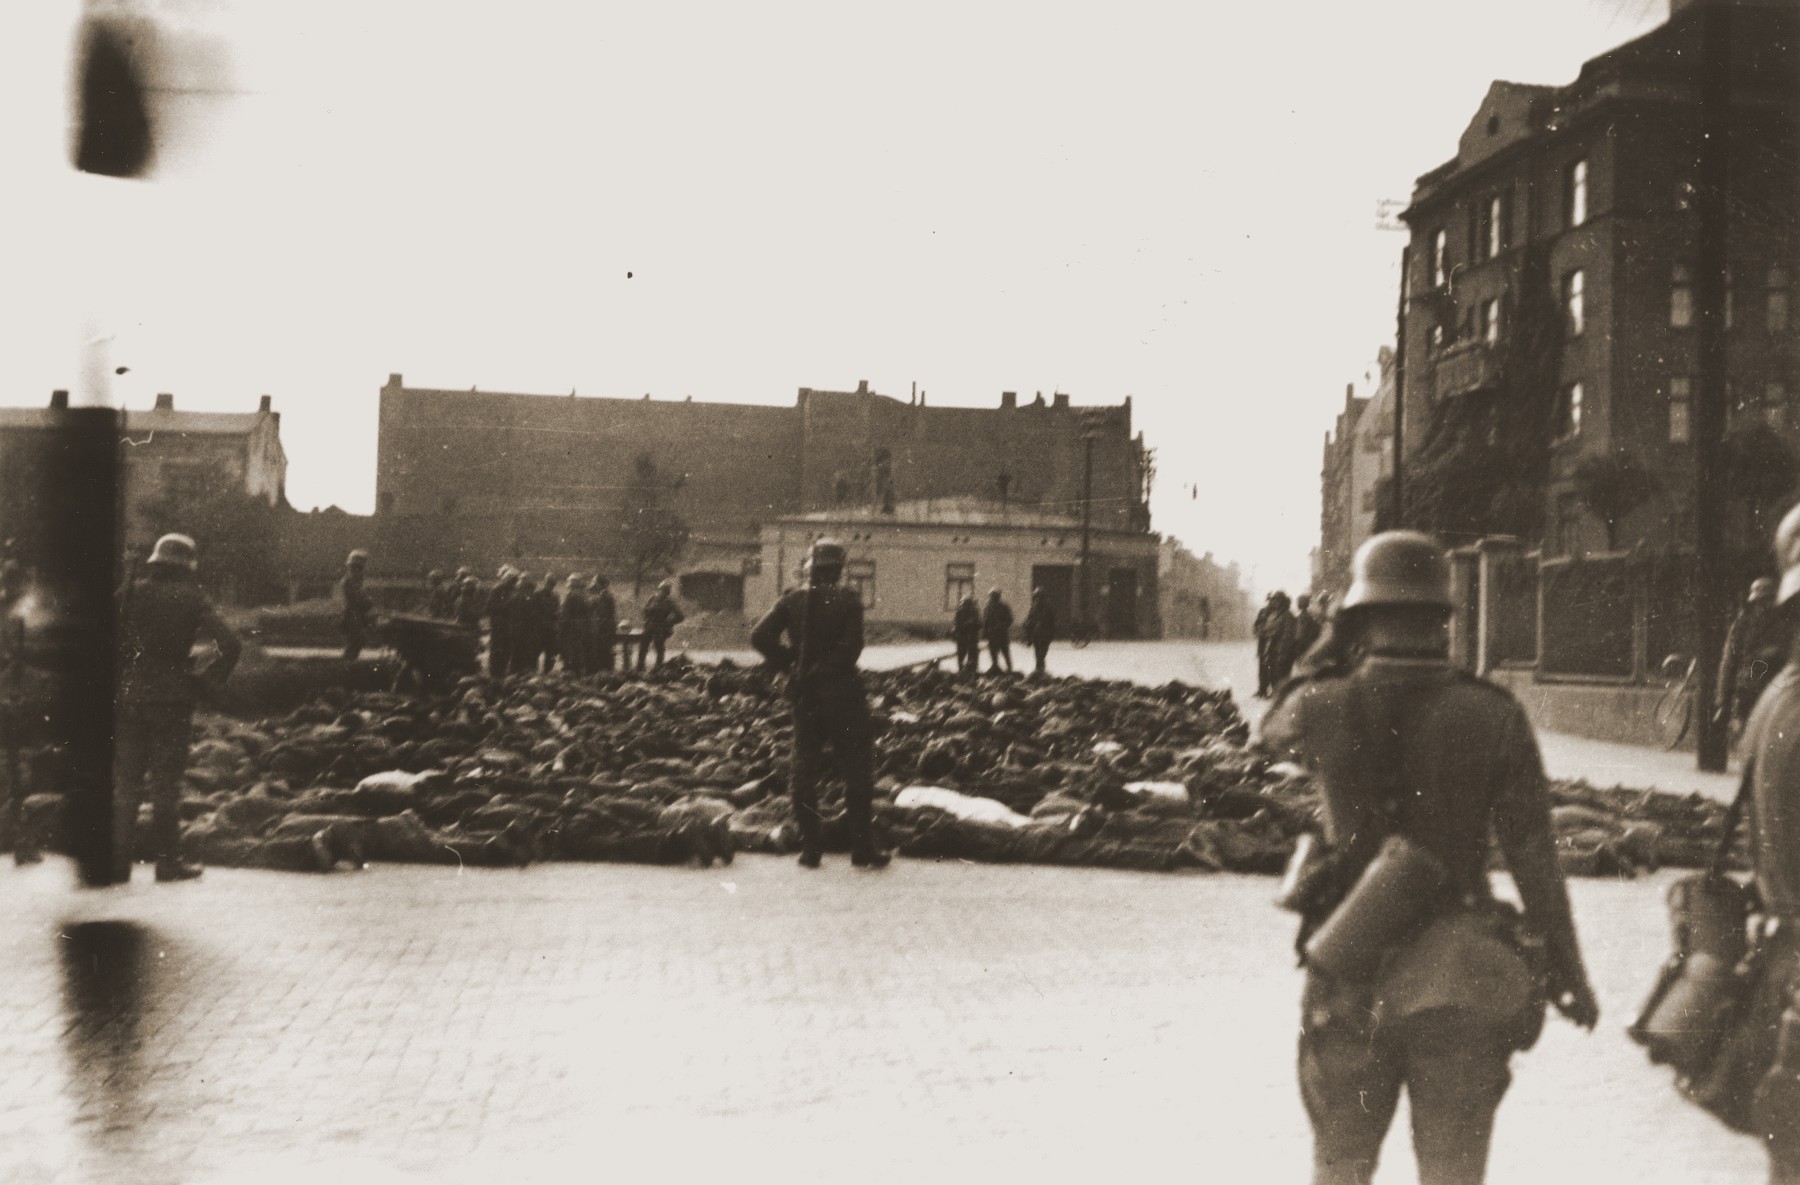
(168, 455)
(1199, 597)
(1549, 319)
(481, 478)
(913, 563)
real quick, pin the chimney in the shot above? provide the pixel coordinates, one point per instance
(1009, 399)
(264, 403)
(394, 381)
(59, 400)
(1059, 400)
(862, 387)
(165, 401)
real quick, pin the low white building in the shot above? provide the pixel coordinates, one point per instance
(912, 565)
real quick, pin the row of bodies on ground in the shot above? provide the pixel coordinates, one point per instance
(689, 764)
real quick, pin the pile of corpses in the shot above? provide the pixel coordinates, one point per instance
(690, 764)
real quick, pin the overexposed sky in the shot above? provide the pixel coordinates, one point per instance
(1174, 201)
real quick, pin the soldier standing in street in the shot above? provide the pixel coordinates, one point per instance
(606, 624)
(1419, 763)
(546, 608)
(501, 622)
(965, 628)
(1307, 626)
(470, 604)
(1772, 772)
(661, 616)
(996, 627)
(1755, 648)
(1040, 627)
(163, 613)
(574, 625)
(357, 607)
(823, 627)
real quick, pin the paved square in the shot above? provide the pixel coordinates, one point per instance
(946, 1021)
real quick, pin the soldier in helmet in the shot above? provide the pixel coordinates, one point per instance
(502, 631)
(816, 632)
(164, 613)
(1771, 747)
(1755, 648)
(1420, 764)
(661, 616)
(358, 609)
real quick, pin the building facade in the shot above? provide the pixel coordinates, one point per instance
(1357, 460)
(483, 478)
(167, 456)
(913, 564)
(1548, 338)
(1200, 597)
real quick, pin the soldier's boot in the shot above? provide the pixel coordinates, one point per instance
(811, 854)
(324, 853)
(870, 857)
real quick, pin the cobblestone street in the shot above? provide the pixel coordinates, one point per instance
(949, 1020)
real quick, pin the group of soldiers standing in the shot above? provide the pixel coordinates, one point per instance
(1284, 632)
(532, 625)
(971, 625)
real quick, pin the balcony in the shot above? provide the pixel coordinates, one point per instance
(1465, 368)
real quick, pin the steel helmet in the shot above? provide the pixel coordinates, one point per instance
(827, 553)
(1761, 589)
(356, 559)
(1400, 568)
(1787, 555)
(177, 551)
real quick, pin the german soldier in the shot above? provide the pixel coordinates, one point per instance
(1040, 627)
(574, 627)
(606, 623)
(357, 607)
(661, 616)
(965, 627)
(164, 612)
(1772, 770)
(996, 627)
(823, 627)
(502, 623)
(1415, 978)
(1755, 648)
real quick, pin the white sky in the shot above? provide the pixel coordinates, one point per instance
(1174, 201)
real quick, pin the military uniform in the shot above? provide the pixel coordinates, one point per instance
(996, 627)
(965, 628)
(164, 613)
(817, 634)
(661, 616)
(606, 627)
(1467, 766)
(502, 626)
(574, 630)
(1755, 648)
(357, 608)
(1040, 628)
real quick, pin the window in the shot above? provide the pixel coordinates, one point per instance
(1490, 321)
(1491, 231)
(1775, 410)
(1681, 296)
(1568, 412)
(1576, 197)
(1681, 406)
(860, 575)
(1778, 299)
(1574, 311)
(959, 582)
(1440, 248)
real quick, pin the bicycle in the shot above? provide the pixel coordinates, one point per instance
(1675, 710)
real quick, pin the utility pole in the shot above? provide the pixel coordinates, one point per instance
(1087, 504)
(1712, 205)
(1395, 489)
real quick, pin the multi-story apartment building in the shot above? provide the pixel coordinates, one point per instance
(1548, 338)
